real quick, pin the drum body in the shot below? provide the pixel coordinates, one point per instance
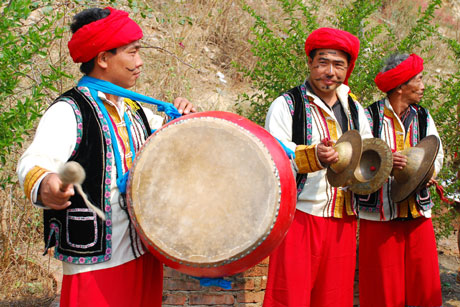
(211, 194)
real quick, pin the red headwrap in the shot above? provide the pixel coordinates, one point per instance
(328, 38)
(113, 31)
(407, 69)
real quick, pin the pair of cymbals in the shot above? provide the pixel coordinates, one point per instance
(418, 170)
(363, 165)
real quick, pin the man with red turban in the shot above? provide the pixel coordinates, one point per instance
(99, 125)
(398, 262)
(315, 263)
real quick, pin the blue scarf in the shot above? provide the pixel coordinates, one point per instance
(110, 88)
(95, 85)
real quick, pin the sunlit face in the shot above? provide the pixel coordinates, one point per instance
(123, 68)
(328, 70)
(413, 90)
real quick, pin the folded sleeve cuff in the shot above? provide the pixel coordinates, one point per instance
(33, 177)
(306, 159)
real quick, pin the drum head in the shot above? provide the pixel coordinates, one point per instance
(204, 191)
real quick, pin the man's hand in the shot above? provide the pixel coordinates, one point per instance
(431, 182)
(399, 160)
(184, 106)
(53, 194)
(326, 153)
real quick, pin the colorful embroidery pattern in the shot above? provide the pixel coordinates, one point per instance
(81, 215)
(369, 118)
(79, 119)
(307, 99)
(106, 189)
(31, 179)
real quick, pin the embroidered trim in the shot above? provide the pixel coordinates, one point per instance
(307, 100)
(403, 209)
(331, 130)
(350, 119)
(399, 141)
(79, 120)
(54, 229)
(140, 122)
(91, 217)
(369, 118)
(106, 190)
(31, 179)
(121, 134)
(353, 96)
(131, 104)
(414, 129)
(398, 131)
(343, 197)
(288, 99)
(308, 120)
(381, 114)
(305, 158)
(107, 182)
(308, 123)
(413, 207)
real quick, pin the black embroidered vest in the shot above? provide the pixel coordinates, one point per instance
(79, 235)
(370, 203)
(299, 122)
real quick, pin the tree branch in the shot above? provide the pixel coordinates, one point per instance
(171, 53)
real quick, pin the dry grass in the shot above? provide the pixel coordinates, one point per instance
(187, 44)
(180, 59)
(24, 281)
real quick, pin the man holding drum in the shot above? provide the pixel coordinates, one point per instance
(315, 264)
(398, 262)
(99, 125)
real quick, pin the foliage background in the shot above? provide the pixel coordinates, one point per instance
(279, 46)
(257, 46)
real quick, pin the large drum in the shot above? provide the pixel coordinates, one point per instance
(211, 194)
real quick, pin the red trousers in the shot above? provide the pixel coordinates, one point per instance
(138, 282)
(398, 264)
(315, 263)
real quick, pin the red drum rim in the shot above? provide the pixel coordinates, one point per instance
(264, 245)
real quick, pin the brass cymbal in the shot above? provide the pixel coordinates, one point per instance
(418, 170)
(374, 167)
(349, 147)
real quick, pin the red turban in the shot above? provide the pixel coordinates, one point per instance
(113, 31)
(407, 69)
(328, 38)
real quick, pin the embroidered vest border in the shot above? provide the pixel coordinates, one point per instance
(299, 106)
(375, 116)
(79, 236)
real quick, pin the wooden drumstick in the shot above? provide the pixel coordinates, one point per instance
(73, 173)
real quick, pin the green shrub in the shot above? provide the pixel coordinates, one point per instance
(23, 40)
(279, 47)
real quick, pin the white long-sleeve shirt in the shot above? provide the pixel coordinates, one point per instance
(318, 197)
(52, 146)
(392, 129)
